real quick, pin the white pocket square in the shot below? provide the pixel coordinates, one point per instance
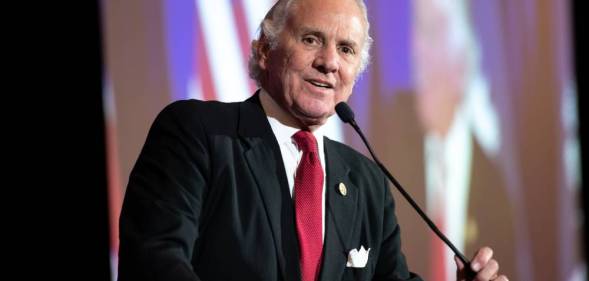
(358, 259)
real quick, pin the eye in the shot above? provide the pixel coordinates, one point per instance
(347, 50)
(310, 40)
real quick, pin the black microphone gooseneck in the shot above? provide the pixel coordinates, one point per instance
(346, 114)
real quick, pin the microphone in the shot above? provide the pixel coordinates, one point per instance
(346, 114)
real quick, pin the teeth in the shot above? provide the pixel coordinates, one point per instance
(320, 84)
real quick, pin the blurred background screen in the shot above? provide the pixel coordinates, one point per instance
(471, 104)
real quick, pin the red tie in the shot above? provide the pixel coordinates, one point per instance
(438, 251)
(308, 189)
(438, 261)
(438, 258)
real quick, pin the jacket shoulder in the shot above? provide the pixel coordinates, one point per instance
(211, 115)
(355, 159)
(205, 109)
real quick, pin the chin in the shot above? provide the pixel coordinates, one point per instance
(316, 108)
(312, 118)
(311, 122)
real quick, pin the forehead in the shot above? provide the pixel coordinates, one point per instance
(341, 18)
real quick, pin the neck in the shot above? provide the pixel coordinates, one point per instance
(272, 109)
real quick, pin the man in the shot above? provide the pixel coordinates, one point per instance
(252, 190)
(464, 189)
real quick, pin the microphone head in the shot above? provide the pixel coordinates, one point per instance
(344, 112)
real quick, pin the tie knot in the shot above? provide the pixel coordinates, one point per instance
(305, 141)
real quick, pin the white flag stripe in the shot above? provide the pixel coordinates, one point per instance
(223, 49)
(195, 88)
(255, 11)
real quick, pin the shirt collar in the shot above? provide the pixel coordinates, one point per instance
(284, 133)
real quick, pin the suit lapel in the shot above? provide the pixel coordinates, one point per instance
(264, 160)
(340, 214)
(268, 186)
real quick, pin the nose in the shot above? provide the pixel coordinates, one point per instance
(327, 60)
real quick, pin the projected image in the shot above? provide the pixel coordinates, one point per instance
(461, 129)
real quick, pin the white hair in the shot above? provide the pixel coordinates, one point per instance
(273, 24)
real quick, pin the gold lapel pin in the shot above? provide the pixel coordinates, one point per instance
(342, 189)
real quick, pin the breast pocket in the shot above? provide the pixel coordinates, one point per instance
(358, 274)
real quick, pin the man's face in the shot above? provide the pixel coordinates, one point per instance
(316, 60)
(440, 66)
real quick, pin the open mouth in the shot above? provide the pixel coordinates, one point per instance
(320, 84)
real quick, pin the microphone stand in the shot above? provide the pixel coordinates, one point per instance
(470, 274)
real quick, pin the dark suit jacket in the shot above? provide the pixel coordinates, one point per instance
(208, 199)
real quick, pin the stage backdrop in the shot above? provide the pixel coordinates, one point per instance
(471, 104)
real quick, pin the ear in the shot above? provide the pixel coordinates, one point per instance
(262, 49)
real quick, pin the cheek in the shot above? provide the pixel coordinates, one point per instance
(298, 60)
(292, 69)
(291, 82)
(344, 93)
(348, 78)
(347, 95)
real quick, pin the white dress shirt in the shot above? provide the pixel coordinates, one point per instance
(291, 154)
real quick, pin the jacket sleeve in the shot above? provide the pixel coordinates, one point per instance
(391, 264)
(163, 201)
